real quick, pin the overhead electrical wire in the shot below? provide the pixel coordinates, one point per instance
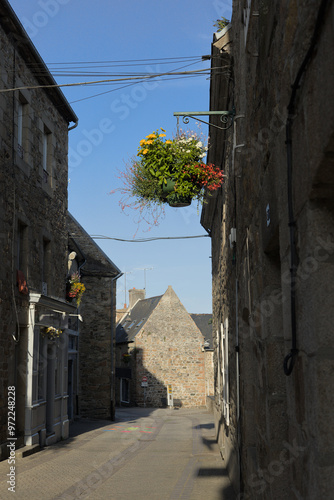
(117, 63)
(140, 240)
(111, 80)
(128, 85)
(134, 83)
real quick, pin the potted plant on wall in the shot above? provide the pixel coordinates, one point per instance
(75, 289)
(167, 171)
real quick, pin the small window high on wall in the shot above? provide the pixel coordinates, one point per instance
(46, 158)
(22, 127)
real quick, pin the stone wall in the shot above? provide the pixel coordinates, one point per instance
(33, 207)
(278, 439)
(96, 349)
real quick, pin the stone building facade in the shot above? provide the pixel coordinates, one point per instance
(91, 358)
(166, 347)
(272, 231)
(34, 125)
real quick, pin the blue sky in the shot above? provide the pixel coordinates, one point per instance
(111, 125)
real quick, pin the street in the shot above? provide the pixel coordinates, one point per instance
(146, 454)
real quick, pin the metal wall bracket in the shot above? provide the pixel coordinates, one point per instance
(226, 117)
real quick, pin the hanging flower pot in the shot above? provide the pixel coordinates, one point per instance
(178, 200)
(168, 172)
(75, 289)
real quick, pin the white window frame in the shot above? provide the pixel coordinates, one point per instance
(225, 371)
(218, 387)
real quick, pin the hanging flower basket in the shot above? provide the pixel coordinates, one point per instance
(50, 332)
(178, 200)
(75, 289)
(167, 172)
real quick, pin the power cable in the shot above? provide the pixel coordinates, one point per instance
(148, 77)
(139, 240)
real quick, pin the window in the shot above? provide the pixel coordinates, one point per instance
(22, 251)
(22, 126)
(38, 367)
(41, 366)
(125, 390)
(73, 343)
(46, 154)
(20, 130)
(224, 371)
(58, 370)
(46, 265)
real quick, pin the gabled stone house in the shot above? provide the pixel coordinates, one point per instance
(33, 246)
(272, 233)
(159, 340)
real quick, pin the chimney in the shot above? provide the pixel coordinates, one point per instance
(135, 295)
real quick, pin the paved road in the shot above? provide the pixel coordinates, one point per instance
(146, 454)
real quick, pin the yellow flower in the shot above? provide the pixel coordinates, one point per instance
(162, 129)
(149, 142)
(162, 135)
(151, 136)
(145, 151)
(142, 142)
(168, 142)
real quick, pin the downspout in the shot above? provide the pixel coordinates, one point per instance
(73, 126)
(112, 351)
(16, 333)
(290, 359)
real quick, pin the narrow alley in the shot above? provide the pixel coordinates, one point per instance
(147, 454)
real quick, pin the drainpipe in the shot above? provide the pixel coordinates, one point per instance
(290, 359)
(73, 126)
(112, 351)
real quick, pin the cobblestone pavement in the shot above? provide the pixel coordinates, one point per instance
(146, 454)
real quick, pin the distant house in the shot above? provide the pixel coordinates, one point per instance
(91, 341)
(159, 342)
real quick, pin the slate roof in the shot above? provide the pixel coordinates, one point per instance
(203, 322)
(133, 322)
(96, 262)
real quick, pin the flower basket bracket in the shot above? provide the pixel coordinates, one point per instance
(226, 117)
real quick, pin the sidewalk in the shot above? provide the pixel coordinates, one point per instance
(146, 454)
